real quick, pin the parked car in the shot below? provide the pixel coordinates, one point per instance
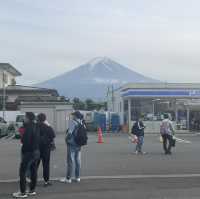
(3, 127)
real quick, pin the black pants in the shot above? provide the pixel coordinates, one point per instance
(29, 160)
(45, 153)
(167, 143)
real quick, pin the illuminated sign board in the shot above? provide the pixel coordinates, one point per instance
(160, 93)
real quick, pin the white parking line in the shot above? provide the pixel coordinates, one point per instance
(151, 176)
(182, 140)
(179, 140)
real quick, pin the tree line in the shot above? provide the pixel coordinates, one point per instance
(88, 104)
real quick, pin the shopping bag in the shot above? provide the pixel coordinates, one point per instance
(173, 142)
(161, 139)
(134, 139)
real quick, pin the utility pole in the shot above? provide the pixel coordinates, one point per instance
(112, 98)
(4, 96)
(108, 100)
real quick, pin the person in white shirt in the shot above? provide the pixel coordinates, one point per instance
(167, 132)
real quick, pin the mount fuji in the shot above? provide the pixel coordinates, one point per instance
(91, 80)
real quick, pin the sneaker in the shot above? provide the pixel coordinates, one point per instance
(136, 152)
(65, 180)
(77, 179)
(47, 184)
(20, 195)
(31, 193)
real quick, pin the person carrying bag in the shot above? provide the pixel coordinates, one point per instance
(167, 132)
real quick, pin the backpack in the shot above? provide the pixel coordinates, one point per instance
(80, 136)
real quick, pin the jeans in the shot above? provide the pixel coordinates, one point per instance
(140, 143)
(167, 142)
(73, 161)
(28, 160)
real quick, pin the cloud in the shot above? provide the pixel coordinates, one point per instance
(157, 38)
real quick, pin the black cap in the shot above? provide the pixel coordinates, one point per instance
(77, 114)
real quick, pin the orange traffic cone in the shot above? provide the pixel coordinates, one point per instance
(100, 136)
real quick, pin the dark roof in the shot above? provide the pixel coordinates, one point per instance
(38, 99)
(28, 89)
(21, 87)
(9, 68)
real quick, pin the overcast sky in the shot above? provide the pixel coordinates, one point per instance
(45, 38)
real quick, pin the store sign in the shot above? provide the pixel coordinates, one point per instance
(195, 93)
(160, 93)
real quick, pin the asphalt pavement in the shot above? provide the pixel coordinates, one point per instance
(112, 170)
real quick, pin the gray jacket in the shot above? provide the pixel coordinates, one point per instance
(166, 127)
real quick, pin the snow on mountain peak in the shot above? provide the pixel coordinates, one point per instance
(104, 61)
(96, 61)
(100, 80)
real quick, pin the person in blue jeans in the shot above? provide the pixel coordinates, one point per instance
(138, 130)
(73, 150)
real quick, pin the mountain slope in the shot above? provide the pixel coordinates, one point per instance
(92, 79)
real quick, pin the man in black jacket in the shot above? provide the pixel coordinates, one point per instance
(138, 130)
(47, 136)
(30, 155)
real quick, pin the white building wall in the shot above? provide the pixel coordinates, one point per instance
(9, 78)
(57, 115)
(10, 116)
(49, 112)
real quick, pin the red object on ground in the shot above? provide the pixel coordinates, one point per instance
(100, 136)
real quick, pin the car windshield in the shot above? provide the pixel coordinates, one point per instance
(20, 118)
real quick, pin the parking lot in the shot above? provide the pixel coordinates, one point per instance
(112, 170)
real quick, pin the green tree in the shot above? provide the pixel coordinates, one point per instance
(90, 104)
(78, 104)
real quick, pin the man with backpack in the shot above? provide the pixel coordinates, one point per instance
(138, 130)
(47, 136)
(167, 131)
(76, 138)
(30, 155)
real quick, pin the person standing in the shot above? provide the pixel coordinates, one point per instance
(167, 132)
(47, 136)
(30, 155)
(138, 131)
(76, 126)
